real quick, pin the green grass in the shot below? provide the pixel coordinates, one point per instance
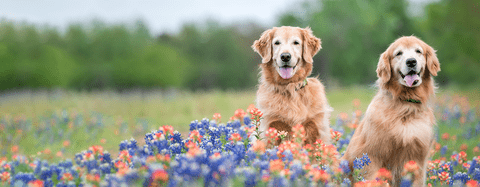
(176, 108)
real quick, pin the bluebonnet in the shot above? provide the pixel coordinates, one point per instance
(247, 121)
(476, 174)
(193, 125)
(24, 178)
(405, 183)
(105, 168)
(463, 177)
(45, 173)
(473, 165)
(66, 164)
(105, 157)
(346, 182)
(365, 159)
(344, 166)
(177, 137)
(443, 151)
(357, 163)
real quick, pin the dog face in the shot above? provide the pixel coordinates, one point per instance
(287, 47)
(408, 60)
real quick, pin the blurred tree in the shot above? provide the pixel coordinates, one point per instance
(452, 28)
(353, 34)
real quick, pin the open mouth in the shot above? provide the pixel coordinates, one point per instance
(411, 79)
(286, 72)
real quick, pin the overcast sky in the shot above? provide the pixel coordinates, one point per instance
(160, 15)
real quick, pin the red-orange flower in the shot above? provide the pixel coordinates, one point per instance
(256, 114)
(124, 156)
(35, 183)
(160, 176)
(356, 103)
(318, 175)
(167, 129)
(66, 143)
(371, 183)
(276, 165)
(235, 137)
(259, 147)
(384, 174)
(445, 136)
(5, 176)
(476, 149)
(14, 149)
(217, 117)
(335, 135)
(250, 108)
(195, 135)
(444, 176)
(472, 183)
(239, 113)
(93, 177)
(299, 132)
(67, 177)
(193, 152)
(96, 149)
(271, 135)
(411, 167)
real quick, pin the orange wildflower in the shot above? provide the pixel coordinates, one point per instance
(239, 113)
(384, 174)
(235, 137)
(276, 165)
(445, 136)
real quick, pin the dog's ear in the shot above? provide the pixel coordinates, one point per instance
(432, 61)
(383, 67)
(263, 46)
(311, 45)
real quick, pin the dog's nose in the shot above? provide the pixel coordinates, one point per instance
(411, 62)
(285, 57)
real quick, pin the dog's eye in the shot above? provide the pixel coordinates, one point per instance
(399, 53)
(277, 43)
(418, 51)
(295, 43)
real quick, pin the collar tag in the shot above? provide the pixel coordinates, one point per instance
(303, 84)
(412, 101)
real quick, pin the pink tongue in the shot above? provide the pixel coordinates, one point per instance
(409, 79)
(286, 73)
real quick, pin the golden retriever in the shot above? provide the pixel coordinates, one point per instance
(285, 95)
(398, 123)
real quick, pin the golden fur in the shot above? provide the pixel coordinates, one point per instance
(284, 102)
(393, 130)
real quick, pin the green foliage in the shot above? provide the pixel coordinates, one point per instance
(353, 34)
(210, 55)
(451, 27)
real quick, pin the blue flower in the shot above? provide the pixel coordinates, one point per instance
(443, 151)
(405, 183)
(247, 121)
(357, 163)
(344, 166)
(365, 159)
(473, 165)
(463, 177)
(123, 145)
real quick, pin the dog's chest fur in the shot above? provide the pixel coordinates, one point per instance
(408, 131)
(288, 104)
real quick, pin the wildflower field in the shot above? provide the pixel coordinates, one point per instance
(44, 148)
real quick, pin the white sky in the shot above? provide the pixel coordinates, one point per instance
(160, 15)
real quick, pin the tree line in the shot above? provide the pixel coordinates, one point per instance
(208, 55)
